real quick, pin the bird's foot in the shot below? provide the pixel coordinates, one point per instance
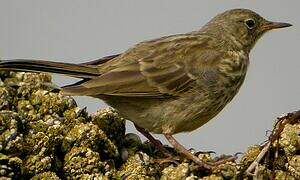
(204, 152)
(224, 159)
(174, 160)
(154, 141)
(211, 166)
(201, 164)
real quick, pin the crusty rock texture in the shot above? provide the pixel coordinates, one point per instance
(45, 135)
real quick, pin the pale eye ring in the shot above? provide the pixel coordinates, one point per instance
(250, 23)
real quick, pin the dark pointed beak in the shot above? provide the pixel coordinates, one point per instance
(274, 25)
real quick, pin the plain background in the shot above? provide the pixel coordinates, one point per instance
(77, 31)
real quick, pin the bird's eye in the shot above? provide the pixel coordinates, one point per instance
(250, 23)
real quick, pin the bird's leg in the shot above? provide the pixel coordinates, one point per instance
(205, 152)
(224, 160)
(154, 141)
(185, 152)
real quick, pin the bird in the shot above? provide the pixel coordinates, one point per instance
(171, 84)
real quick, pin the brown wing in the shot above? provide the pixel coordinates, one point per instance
(166, 66)
(101, 60)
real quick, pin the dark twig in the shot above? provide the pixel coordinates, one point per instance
(279, 126)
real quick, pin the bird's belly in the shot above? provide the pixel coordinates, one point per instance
(173, 115)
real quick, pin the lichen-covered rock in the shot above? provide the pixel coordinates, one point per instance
(227, 170)
(45, 135)
(81, 162)
(12, 128)
(7, 95)
(111, 123)
(290, 139)
(137, 167)
(93, 176)
(293, 166)
(263, 172)
(212, 177)
(34, 121)
(279, 175)
(91, 136)
(75, 116)
(250, 155)
(205, 157)
(10, 167)
(179, 172)
(54, 103)
(46, 176)
(38, 163)
(132, 143)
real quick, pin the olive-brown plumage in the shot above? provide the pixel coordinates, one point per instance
(170, 84)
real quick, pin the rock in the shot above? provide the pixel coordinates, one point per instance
(45, 135)
(181, 171)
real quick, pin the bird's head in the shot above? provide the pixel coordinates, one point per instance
(243, 26)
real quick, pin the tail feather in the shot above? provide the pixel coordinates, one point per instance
(74, 70)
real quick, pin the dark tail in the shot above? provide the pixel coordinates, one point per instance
(74, 70)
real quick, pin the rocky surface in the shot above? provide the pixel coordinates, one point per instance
(45, 135)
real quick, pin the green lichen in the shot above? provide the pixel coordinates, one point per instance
(263, 172)
(6, 97)
(46, 176)
(227, 170)
(213, 177)
(138, 166)
(12, 129)
(290, 139)
(181, 171)
(279, 175)
(10, 167)
(293, 166)
(38, 163)
(82, 161)
(111, 123)
(250, 155)
(91, 136)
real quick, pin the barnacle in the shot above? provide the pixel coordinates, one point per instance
(89, 135)
(82, 161)
(293, 166)
(10, 167)
(11, 129)
(213, 177)
(250, 155)
(290, 139)
(181, 171)
(7, 95)
(111, 123)
(46, 176)
(38, 163)
(137, 166)
(227, 170)
(279, 175)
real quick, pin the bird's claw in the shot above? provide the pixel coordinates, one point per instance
(205, 152)
(170, 159)
(225, 159)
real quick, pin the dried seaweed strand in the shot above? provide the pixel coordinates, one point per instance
(289, 118)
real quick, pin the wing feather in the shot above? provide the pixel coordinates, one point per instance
(167, 66)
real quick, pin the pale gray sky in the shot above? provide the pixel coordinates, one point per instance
(77, 31)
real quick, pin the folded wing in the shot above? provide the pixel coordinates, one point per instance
(157, 68)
